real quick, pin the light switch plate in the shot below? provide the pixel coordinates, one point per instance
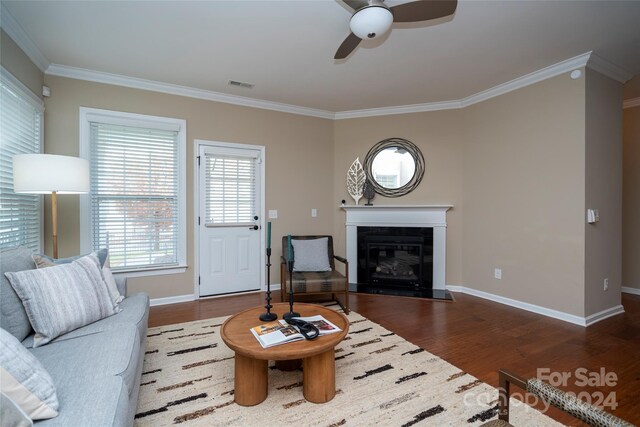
(273, 214)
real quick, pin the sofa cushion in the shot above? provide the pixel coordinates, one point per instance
(63, 298)
(103, 402)
(311, 254)
(88, 359)
(25, 381)
(13, 317)
(135, 311)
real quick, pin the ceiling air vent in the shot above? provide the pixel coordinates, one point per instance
(240, 84)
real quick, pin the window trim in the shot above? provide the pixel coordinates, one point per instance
(88, 115)
(37, 103)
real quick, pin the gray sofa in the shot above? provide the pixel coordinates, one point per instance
(97, 368)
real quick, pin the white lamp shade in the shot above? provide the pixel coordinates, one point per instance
(371, 22)
(46, 173)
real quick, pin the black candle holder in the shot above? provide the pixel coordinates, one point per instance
(268, 316)
(291, 313)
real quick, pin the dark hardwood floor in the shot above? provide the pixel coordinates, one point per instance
(480, 337)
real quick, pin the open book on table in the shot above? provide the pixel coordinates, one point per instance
(280, 332)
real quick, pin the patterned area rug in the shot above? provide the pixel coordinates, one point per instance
(380, 379)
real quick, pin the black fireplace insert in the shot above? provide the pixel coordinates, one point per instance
(397, 261)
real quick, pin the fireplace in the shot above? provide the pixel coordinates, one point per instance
(397, 250)
(395, 258)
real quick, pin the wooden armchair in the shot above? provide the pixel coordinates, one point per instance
(566, 402)
(311, 279)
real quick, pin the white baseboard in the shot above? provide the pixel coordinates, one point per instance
(190, 297)
(172, 300)
(601, 315)
(571, 318)
(628, 290)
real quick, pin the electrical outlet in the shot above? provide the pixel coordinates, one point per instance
(606, 284)
(314, 213)
(498, 273)
(273, 214)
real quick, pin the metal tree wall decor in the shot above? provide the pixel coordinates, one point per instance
(355, 180)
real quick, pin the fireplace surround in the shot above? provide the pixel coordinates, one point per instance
(395, 238)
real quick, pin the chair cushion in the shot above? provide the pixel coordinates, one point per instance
(311, 254)
(317, 281)
(25, 381)
(63, 298)
(13, 317)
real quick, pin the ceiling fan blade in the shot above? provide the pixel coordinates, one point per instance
(348, 45)
(356, 4)
(423, 10)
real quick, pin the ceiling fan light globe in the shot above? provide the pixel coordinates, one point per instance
(371, 22)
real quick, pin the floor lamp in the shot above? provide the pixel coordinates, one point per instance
(50, 174)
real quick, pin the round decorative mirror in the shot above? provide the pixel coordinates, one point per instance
(394, 167)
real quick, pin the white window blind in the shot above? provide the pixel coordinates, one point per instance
(135, 195)
(230, 189)
(20, 133)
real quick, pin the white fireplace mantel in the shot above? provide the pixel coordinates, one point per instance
(432, 216)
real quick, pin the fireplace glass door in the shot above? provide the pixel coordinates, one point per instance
(395, 258)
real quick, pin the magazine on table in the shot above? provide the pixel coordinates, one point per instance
(280, 332)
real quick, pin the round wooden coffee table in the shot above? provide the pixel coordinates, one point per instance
(318, 360)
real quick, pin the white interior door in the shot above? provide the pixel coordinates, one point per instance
(229, 219)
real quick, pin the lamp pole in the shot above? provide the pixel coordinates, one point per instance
(54, 219)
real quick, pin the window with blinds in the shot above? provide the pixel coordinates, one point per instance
(21, 122)
(230, 187)
(136, 200)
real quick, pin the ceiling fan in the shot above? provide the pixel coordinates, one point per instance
(373, 18)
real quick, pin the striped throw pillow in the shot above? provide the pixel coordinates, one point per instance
(63, 298)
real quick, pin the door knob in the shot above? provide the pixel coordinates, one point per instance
(255, 227)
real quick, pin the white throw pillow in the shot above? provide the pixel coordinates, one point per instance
(311, 254)
(114, 293)
(24, 380)
(62, 298)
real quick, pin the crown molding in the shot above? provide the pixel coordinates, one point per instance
(17, 34)
(580, 61)
(529, 79)
(401, 109)
(520, 82)
(609, 69)
(630, 103)
(155, 86)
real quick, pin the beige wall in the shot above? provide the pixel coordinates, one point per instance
(299, 161)
(603, 191)
(523, 183)
(632, 88)
(439, 137)
(14, 60)
(631, 199)
(519, 169)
